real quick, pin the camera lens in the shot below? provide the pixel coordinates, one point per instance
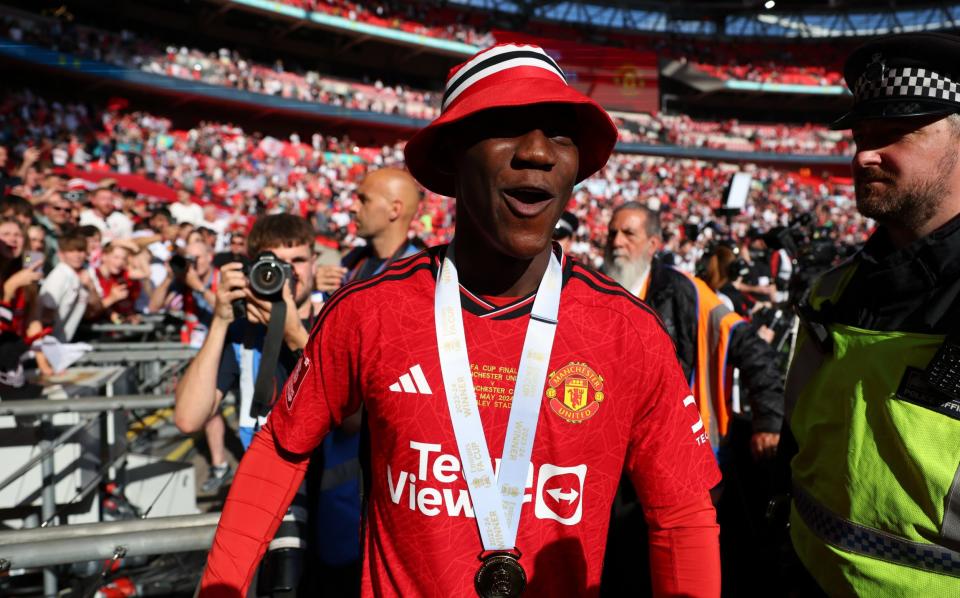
(266, 279)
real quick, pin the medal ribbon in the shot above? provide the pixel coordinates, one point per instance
(496, 499)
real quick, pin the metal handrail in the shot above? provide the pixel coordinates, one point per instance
(47, 451)
(85, 404)
(104, 356)
(88, 530)
(144, 346)
(45, 547)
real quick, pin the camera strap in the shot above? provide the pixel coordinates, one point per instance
(265, 386)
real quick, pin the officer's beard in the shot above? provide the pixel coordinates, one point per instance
(909, 204)
(628, 272)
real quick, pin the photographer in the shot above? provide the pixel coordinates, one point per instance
(757, 283)
(188, 285)
(231, 354)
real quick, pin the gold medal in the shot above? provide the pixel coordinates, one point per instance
(500, 576)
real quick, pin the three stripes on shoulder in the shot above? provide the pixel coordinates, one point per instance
(413, 382)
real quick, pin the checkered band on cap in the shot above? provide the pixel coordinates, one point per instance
(906, 82)
(496, 60)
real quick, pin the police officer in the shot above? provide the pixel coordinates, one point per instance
(872, 394)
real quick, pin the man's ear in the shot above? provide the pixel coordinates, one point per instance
(656, 243)
(396, 208)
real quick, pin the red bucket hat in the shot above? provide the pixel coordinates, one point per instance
(503, 76)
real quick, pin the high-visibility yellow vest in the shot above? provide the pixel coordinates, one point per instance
(876, 479)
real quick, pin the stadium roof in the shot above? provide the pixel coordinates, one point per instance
(747, 18)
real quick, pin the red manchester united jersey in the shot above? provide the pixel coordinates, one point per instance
(614, 400)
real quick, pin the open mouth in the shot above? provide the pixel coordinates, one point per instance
(527, 201)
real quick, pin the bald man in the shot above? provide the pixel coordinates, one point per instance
(386, 202)
(383, 207)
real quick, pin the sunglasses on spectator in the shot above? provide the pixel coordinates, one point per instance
(59, 208)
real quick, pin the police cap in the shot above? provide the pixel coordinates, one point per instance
(901, 76)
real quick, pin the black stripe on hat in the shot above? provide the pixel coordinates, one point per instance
(494, 60)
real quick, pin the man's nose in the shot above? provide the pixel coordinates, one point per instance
(866, 158)
(534, 150)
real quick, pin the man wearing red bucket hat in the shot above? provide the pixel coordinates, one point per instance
(506, 385)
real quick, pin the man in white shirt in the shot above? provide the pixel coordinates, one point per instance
(66, 290)
(185, 210)
(103, 214)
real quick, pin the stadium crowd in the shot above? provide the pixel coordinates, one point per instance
(228, 68)
(223, 67)
(421, 18)
(234, 173)
(732, 135)
(418, 18)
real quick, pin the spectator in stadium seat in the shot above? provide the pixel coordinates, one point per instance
(19, 312)
(117, 293)
(53, 182)
(94, 245)
(160, 238)
(189, 286)
(36, 238)
(185, 210)
(129, 206)
(103, 214)
(55, 219)
(238, 243)
(14, 206)
(65, 292)
(213, 222)
(7, 182)
(19, 282)
(184, 229)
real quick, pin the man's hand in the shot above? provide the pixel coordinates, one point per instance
(233, 285)
(85, 280)
(194, 283)
(118, 293)
(329, 278)
(30, 156)
(25, 277)
(763, 445)
(767, 334)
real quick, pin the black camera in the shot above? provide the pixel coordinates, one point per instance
(267, 274)
(179, 264)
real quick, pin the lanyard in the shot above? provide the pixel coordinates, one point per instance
(496, 499)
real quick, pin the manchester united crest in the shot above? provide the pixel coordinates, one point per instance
(575, 392)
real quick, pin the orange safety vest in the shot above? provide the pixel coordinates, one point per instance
(711, 382)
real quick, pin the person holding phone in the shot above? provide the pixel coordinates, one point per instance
(117, 293)
(20, 275)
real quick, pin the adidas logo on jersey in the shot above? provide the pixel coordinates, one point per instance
(413, 382)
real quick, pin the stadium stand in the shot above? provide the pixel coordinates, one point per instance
(163, 142)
